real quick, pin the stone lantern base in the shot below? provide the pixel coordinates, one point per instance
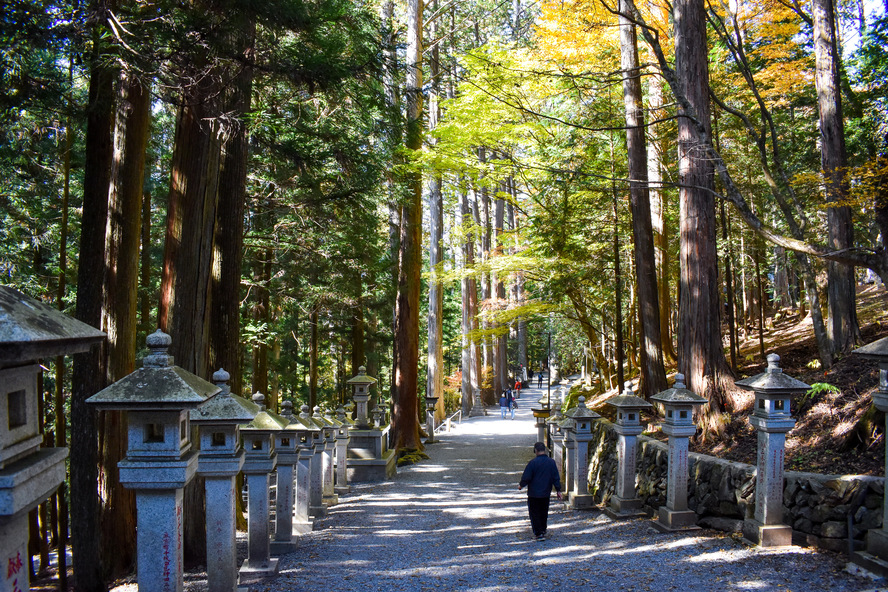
(875, 558)
(621, 509)
(767, 535)
(675, 520)
(582, 501)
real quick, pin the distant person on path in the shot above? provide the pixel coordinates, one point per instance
(540, 475)
(518, 389)
(513, 404)
(504, 404)
(540, 379)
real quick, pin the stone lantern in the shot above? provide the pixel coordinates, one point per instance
(581, 434)
(624, 503)
(369, 458)
(286, 442)
(679, 404)
(875, 558)
(330, 429)
(316, 505)
(308, 434)
(431, 403)
(773, 393)
(342, 439)
(260, 460)
(541, 412)
(29, 331)
(159, 460)
(220, 460)
(361, 384)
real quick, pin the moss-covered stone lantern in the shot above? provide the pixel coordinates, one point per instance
(624, 503)
(678, 404)
(771, 417)
(29, 331)
(220, 460)
(582, 419)
(260, 460)
(361, 384)
(159, 460)
(875, 558)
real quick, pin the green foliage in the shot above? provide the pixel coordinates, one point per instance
(820, 388)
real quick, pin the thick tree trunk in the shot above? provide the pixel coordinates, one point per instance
(186, 283)
(406, 420)
(435, 363)
(843, 327)
(470, 362)
(701, 357)
(225, 341)
(313, 357)
(123, 234)
(652, 370)
(500, 361)
(88, 374)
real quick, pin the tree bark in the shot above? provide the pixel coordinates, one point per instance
(843, 328)
(701, 357)
(406, 420)
(652, 370)
(123, 235)
(225, 340)
(88, 374)
(435, 363)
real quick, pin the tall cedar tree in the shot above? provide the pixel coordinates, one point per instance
(406, 421)
(701, 357)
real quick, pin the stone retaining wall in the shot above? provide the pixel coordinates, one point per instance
(723, 492)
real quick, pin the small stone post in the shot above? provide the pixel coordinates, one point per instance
(286, 442)
(624, 503)
(679, 403)
(773, 394)
(220, 460)
(159, 461)
(581, 434)
(29, 331)
(875, 558)
(261, 460)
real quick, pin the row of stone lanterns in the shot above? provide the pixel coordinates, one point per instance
(235, 435)
(771, 417)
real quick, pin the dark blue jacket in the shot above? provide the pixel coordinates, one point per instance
(540, 475)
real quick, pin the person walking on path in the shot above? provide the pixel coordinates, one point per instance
(504, 404)
(540, 476)
(518, 389)
(513, 404)
(540, 379)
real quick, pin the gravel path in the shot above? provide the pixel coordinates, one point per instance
(458, 522)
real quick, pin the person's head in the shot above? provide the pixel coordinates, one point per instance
(539, 448)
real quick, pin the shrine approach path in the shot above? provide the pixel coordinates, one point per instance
(458, 522)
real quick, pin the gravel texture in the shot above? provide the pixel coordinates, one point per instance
(458, 522)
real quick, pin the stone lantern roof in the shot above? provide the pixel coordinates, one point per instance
(224, 407)
(361, 378)
(679, 394)
(583, 412)
(773, 380)
(157, 385)
(265, 420)
(628, 402)
(877, 350)
(30, 330)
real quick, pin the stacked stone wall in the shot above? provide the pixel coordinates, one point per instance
(722, 492)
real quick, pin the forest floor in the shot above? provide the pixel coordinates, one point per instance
(837, 430)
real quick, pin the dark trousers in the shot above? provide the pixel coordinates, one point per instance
(538, 507)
